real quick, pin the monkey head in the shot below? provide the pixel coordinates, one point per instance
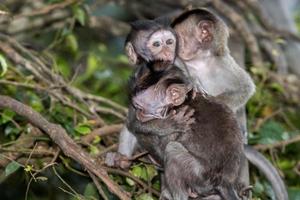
(150, 41)
(156, 101)
(200, 31)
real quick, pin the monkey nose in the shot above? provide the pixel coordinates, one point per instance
(142, 117)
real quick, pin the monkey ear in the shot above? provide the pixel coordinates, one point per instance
(176, 93)
(204, 31)
(132, 56)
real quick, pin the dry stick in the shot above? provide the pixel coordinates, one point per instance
(263, 147)
(50, 91)
(25, 141)
(106, 130)
(100, 190)
(47, 9)
(109, 111)
(16, 58)
(61, 138)
(242, 27)
(113, 147)
(105, 101)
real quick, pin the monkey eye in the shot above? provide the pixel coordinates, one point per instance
(156, 44)
(169, 41)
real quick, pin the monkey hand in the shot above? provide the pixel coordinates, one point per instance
(115, 159)
(245, 192)
(183, 118)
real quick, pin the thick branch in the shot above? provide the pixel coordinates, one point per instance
(61, 138)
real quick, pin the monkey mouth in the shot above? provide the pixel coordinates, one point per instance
(165, 61)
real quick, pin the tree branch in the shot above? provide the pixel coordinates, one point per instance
(61, 138)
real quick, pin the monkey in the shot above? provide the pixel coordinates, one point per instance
(149, 41)
(203, 164)
(228, 77)
(202, 46)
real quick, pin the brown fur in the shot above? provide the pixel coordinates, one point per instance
(205, 157)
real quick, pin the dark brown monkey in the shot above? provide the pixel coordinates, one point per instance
(149, 41)
(203, 161)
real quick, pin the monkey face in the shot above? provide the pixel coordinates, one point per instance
(151, 104)
(156, 101)
(162, 45)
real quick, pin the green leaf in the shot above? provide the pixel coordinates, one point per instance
(139, 171)
(71, 43)
(90, 190)
(3, 65)
(36, 102)
(151, 172)
(97, 139)
(129, 181)
(271, 132)
(7, 115)
(28, 168)
(258, 187)
(277, 87)
(294, 193)
(11, 168)
(82, 129)
(11, 130)
(136, 170)
(145, 197)
(63, 67)
(94, 150)
(280, 41)
(79, 15)
(41, 178)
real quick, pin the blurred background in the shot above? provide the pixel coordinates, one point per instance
(65, 59)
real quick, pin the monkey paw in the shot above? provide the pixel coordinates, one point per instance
(165, 195)
(115, 159)
(184, 118)
(246, 192)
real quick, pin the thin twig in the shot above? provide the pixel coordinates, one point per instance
(103, 131)
(47, 9)
(144, 185)
(98, 186)
(263, 147)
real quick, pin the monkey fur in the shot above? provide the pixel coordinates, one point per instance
(196, 161)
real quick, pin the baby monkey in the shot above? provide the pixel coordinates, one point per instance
(202, 162)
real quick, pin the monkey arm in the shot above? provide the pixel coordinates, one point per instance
(127, 142)
(239, 86)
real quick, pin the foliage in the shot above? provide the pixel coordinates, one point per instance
(93, 62)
